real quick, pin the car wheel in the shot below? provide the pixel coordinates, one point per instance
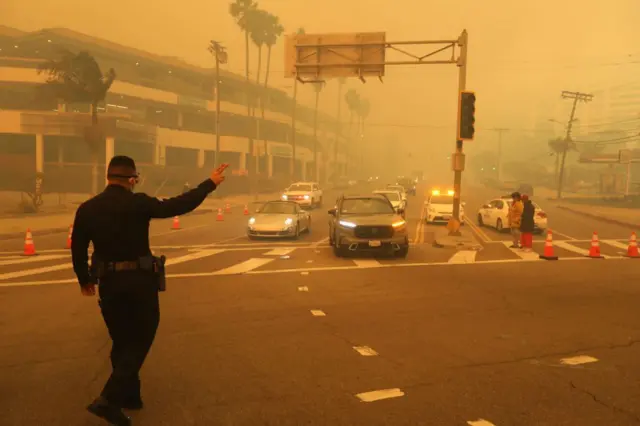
(331, 241)
(313, 204)
(480, 221)
(297, 230)
(403, 252)
(337, 248)
(308, 230)
(499, 225)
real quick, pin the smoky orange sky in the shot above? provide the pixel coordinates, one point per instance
(521, 55)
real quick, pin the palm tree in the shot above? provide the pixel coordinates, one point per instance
(293, 119)
(220, 55)
(77, 78)
(244, 13)
(258, 35)
(352, 98)
(317, 87)
(273, 31)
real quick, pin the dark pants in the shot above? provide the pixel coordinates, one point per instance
(130, 308)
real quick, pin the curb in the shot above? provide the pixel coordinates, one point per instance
(600, 218)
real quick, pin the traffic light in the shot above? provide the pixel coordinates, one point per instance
(467, 111)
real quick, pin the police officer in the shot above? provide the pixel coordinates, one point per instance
(117, 223)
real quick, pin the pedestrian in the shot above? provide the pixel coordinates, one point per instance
(515, 218)
(527, 223)
(116, 221)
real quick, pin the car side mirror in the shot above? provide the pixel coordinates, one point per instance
(486, 206)
(332, 212)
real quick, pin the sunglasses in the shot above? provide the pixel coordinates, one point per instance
(136, 177)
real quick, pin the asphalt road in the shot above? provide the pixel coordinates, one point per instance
(283, 333)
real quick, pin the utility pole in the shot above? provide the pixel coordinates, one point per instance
(499, 165)
(576, 96)
(463, 42)
(293, 130)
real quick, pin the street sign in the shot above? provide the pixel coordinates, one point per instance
(331, 55)
(458, 162)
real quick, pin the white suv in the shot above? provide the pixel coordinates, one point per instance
(306, 194)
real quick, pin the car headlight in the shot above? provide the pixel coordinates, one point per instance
(399, 224)
(252, 221)
(306, 197)
(347, 224)
(288, 221)
(284, 197)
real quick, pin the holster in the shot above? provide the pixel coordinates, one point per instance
(160, 273)
(153, 264)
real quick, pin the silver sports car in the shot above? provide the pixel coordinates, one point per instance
(279, 219)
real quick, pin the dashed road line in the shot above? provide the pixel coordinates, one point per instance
(367, 263)
(22, 259)
(480, 422)
(380, 394)
(280, 251)
(28, 272)
(244, 267)
(464, 256)
(193, 256)
(578, 360)
(365, 351)
(318, 313)
(303, 288)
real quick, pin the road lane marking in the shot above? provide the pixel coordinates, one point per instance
(480, 422)
(280, 251)
(365, 351)
(380, 394)
(303, 288)
(564, 235)
(318, 313)
(27, 272)
(528, 256)
(566, 246)
(367, 263)
(304, 273)
(476, 230)
(192, 256)
(32, 259)
(464, 256)
(616, 244)
(419, 234)
(244, 267)
(578, 360)
(320, 242)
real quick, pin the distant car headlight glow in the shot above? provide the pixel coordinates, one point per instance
(252, 221)
(288, 221)
(306, 197)
(284, 197)
(347, 224)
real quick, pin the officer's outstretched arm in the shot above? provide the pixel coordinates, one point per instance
(176, 206)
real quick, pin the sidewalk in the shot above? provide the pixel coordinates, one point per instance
(52, 222)
(465, 241)
(618, 215)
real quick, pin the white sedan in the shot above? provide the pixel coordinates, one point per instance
(495, 214)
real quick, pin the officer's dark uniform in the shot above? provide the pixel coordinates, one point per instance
(117, 222)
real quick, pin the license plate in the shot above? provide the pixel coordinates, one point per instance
(374, 243)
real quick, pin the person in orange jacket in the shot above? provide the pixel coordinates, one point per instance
(515, 218)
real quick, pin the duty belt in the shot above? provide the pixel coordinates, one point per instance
(147, 263)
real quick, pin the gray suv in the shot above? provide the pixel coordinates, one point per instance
(367, 223)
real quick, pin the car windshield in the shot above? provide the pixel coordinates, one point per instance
(365, 206)
(391, 196)
(278, 208)
(299, 187)
(441, 199)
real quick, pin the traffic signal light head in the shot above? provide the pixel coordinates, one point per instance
(467, 111)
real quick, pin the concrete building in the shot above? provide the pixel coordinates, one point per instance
(160, 110)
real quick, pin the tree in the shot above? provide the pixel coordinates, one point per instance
(273, 31)
(220, 55)
(77, 78)
(352, 98)
(244, 12)
(258, 35)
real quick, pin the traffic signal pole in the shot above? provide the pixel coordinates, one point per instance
(458, 156)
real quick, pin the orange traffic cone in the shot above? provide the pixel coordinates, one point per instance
(220, 216)
(227, 208)
(594, 251)
(176, 223)
(68, 246)
(632, 251)
(548, 254)
(246, 210)
(29, 247)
